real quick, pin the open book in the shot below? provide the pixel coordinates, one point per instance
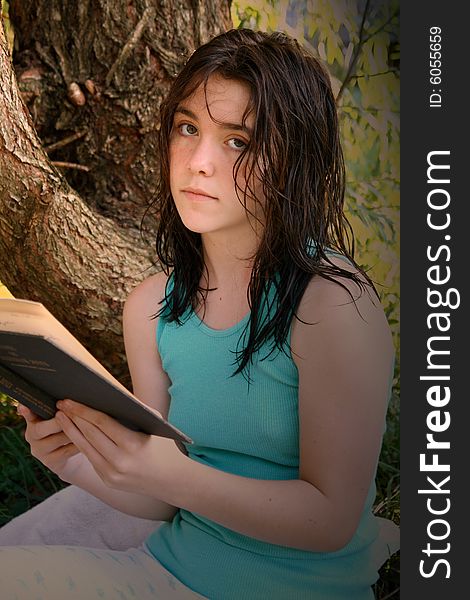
(42, 362)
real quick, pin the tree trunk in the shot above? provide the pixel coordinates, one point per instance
(77, 151)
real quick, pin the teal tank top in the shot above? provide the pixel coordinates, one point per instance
(250, 430)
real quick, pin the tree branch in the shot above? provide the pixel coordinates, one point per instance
(362, 41)
(65, 141)
(382, 27)
(132, 41)
(375, 74)
(357, 51)
(69, 165)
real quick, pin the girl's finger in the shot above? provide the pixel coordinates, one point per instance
(64, 452)
(52, 442)
(27, 414)
(101, 421)
(37, 430)
(76, 437)
(97, 438)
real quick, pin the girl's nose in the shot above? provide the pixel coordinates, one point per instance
(201, 160)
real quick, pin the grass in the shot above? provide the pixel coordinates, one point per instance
(25, 482)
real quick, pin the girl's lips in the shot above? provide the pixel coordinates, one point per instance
(198, 195)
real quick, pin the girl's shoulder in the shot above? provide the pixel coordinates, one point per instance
(340, 290)
(340, 306)
(145, 298)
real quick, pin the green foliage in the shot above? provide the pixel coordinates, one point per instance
(7, 411)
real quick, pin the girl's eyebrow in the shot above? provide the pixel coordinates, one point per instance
(223, 124)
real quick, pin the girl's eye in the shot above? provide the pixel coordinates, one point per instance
(237, 144)
(187, 129)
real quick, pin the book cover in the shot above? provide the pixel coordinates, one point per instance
(41, 362)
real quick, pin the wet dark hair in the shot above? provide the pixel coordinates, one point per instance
(295, 142)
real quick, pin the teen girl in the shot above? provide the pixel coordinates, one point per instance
(269, 349)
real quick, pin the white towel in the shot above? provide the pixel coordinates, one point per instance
(74, 517)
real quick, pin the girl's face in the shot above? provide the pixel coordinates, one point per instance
(203, 151)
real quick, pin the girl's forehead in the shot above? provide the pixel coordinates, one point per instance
(218, 96)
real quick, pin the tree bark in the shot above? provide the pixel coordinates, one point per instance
(77, 151)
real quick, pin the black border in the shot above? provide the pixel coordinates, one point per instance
(425, 129)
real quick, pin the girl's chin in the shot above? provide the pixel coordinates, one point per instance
(198, 227)
(199, 224)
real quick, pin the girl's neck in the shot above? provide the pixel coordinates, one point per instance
(229, 271)
(229, 265)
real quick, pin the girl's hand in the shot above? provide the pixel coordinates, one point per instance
(124, 459)
(48, 442)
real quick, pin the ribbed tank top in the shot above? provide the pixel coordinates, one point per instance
(250, 430)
